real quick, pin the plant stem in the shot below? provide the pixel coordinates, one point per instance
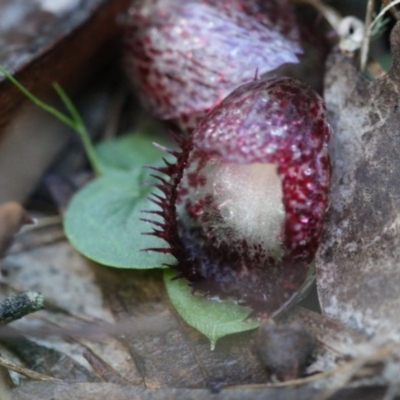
(46, 107)
(74, 122)
(80, 129)
(89, 149)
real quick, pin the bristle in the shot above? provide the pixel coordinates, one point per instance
(167, 228)
(172, 266)
(155, 232)
(179, 275)
(163, 188)
(156, 202)
(168, 164)
(156, 223)
(159, 233)
(156, 197)
(160, 213)
(167, 169)
(153, 168)
(179, 139)
(165, 250)
(166, 149)
(161, 179)
(148, 183)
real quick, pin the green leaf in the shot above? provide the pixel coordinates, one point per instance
(103, 223)
(213, 318)
(132, 151)
(103, 219)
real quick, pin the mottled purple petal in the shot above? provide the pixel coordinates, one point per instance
(185, 56)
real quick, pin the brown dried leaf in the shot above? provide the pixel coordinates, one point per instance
(106, 372)
(194, 365)
(357, 265)
(67, 282)
(5, 363)
(160, 351)
(336, 341)
(12, 218)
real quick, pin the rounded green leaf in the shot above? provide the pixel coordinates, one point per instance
(103, 223)
(213, 318)
(131, 152)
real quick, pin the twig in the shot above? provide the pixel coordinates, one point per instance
(43, 222)
(106, 372)
(370, 25)
(62, 327)
(367, 35)
(134, 326)
(381, 14)
(393, 10)
(49, 304)
(25, 371)
(17, 306)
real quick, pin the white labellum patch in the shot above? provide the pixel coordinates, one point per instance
(58, 6)
(236, 202)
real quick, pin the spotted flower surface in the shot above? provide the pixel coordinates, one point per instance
(185, 56)
(243, 206)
